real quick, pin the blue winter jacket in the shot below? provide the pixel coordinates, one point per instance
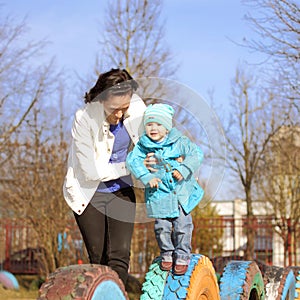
(163, 202)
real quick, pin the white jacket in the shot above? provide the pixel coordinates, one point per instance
(91, 148)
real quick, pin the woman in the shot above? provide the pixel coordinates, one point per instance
(98, 186)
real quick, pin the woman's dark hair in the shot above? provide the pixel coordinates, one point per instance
(113, 82)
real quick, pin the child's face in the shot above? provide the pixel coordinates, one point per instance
(156, 131)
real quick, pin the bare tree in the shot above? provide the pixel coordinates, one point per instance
(22, 81)
(278, 184)
(32, 142)
(133, 38)
(277, 24)
(254, 120)
(34, 193)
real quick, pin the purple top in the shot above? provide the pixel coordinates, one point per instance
(119, 154)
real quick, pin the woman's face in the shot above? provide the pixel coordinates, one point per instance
(115, 107)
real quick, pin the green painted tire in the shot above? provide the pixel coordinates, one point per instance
(154, 284)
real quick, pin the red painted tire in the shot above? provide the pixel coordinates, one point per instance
(89, 282)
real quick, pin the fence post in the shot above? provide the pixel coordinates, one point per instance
(8, 233)
(289, 242)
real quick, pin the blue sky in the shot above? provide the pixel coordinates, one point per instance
(198, 32)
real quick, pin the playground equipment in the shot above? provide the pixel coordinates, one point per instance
(237, 280)
(8, 280)
(199, 281)
(85, 281)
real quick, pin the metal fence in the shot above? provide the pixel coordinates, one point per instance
(213, 237)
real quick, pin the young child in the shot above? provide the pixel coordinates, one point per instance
(171, 191)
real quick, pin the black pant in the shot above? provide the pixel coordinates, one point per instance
(106, 226)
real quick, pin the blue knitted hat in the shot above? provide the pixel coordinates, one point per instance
(159, 113)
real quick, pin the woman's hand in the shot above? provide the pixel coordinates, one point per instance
(149, 161)
(154, 182)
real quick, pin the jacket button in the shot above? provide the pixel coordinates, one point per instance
(79, 211)
(171, 180)
(174, 193)
(83, 205)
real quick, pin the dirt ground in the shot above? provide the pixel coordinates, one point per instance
(22, 293)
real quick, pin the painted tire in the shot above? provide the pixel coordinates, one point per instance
(90, 282)
(271, 277)
(203, 282)
(154, 284)
(8, 280)
(242, 280)
(297, 285)
(199, 282)
(287, 285)
(280, 284)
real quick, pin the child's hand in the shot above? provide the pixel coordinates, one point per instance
(180, 159)
(154, 182)
(177, 175)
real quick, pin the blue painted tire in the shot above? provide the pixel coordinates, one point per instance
(199, 282)
(8, 280)
(242, 280)
(297, 285)
(287, 285)
(89, 282)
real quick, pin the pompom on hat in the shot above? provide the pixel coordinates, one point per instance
(159, 113)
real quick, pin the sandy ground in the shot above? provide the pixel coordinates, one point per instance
(22, 293)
